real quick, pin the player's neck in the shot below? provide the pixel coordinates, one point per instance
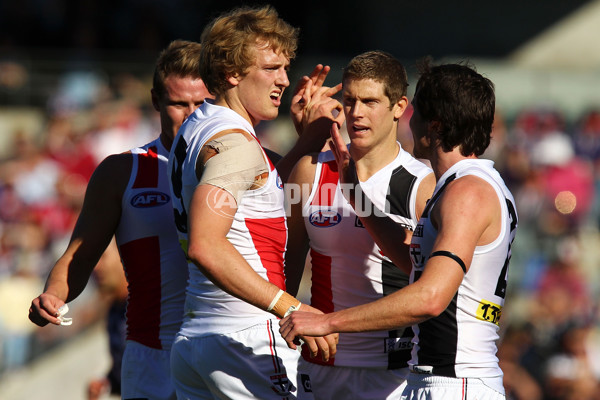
(443, 161)
(368, 162)
(166, 140)
(230, 100)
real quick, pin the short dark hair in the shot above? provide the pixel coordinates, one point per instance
(461, 100)
(381, 67)
(228, 43)
(180, 58)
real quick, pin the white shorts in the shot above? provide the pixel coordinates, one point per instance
(254, 363)
(350, 383)
(433, 387)
(146, 373)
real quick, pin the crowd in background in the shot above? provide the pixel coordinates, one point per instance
(550, 347)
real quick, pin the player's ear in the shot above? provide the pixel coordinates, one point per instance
(400, 107)
(234, 80)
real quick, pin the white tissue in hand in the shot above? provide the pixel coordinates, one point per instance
(61, 312)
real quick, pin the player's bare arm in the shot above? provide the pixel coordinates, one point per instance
(475, 208)
(211, 213)
(92, 234)
(392, 239)
(422, 300)
(466, 216)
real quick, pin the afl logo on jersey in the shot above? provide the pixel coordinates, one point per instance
(324, 218)
(149, 199)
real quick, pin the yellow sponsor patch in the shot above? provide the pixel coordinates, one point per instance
(488, 311)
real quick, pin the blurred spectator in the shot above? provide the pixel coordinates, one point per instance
(32, 175)
(587, 135)
(120, 125)
(573, 373)
(518, 382)
(15, 328)
(531, 125)
(565, 274)
(567, 179)
(561, 298)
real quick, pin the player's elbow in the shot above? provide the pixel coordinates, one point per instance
(200, 252)
(433, 304)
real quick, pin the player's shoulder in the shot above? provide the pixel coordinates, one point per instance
(470, 192)
(305, 168)
(113, 171)
(116, 163)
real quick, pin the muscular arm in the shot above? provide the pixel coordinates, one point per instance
(392, 238)
(93, 232)
(467, 215)
(211, 214)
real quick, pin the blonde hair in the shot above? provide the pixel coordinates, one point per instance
(228, 43)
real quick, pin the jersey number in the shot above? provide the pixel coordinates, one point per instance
(502, 279)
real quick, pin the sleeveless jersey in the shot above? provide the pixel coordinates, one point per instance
(461, 342)
(348, 268)
(258, 231)
(154, 264)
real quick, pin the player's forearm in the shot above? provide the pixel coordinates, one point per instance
(71, 273)
(406, 307)
(391, 238)
(66, 280)
(226, 268)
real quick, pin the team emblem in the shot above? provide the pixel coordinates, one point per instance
(282, 385)
(324, 218)
(305, 379)
(149, 199)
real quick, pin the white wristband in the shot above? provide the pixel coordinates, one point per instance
(275, 300)
(292, 309)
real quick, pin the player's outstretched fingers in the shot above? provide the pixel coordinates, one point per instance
(320, 77)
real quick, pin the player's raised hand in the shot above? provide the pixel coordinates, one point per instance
(345, 163)
(304, 93)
